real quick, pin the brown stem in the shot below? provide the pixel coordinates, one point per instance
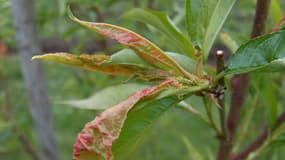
(258, 142)
(239, 83)
(223, 153)
(261, 14)
(239, 86)
(26, 144)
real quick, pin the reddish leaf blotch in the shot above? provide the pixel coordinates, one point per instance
(96, 139)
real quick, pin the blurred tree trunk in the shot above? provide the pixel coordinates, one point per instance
(27, 45)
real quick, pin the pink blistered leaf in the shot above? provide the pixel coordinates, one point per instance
(91, 62)
(143, 47)
(97, 137)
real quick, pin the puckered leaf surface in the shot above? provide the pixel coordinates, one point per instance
(107, 64)
(142, 47)
(97, 137)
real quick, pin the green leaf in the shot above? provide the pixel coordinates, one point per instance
(218, 18)
(187, 63)
(143, 47)
(129, 57)
(265, 53)
(270, 99)
(162, 23)
(106, 97)
(229, 42)
(97, 137)
(194, 154)
(198, 14)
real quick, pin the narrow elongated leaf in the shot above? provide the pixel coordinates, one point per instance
(162, 23)
(90, 62)
(106, 97)
(198, 15)
(194, 153)
(187, 63)
(229, 42)
(270, 100)
(104, 64)
(129, 57)
(265, 53)
(97, 137)
(218, 18)
(143, 47)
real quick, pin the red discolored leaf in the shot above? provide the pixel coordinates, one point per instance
(102, 63)
(95, 141)
(143, 47)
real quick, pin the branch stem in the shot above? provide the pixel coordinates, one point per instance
(224, 146)
(210, 116)
(239, 83)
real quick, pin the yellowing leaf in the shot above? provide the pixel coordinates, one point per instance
(97, 137)
(102, 63)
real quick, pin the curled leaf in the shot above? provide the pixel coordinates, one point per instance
(89, 62)
(106, 64)
(142, 47)
(97, 137)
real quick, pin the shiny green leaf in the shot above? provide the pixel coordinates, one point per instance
(264, 54)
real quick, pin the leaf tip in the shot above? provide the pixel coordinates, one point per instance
(70, 15)
(36, 57)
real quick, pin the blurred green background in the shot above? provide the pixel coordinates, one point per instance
(176, 135)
